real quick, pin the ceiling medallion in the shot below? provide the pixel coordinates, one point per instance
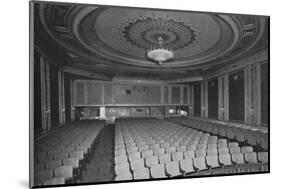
(159, 54)
(144, 33)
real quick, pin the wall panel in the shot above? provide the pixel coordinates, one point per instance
(213, 98)
(176, 95)
(94, 93)
(237, 96)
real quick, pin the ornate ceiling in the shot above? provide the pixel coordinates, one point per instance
(114, 40)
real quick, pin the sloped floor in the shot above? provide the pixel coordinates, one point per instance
(101, 167)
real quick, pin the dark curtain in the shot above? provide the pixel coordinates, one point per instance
(236, 96)
(213, 100)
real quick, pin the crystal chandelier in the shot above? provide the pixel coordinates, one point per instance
(159, 54)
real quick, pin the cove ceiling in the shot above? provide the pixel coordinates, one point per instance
(113, 41)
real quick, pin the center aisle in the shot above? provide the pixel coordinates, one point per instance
(101, 167)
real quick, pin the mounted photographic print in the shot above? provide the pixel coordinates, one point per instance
(125, 94)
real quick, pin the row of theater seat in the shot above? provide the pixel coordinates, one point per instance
(249, 136)
(61, 156)
(150, 148)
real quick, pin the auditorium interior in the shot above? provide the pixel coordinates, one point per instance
(127, 94)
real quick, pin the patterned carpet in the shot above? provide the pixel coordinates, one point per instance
(101, 167)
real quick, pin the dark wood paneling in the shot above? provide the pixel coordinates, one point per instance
(176, 94)
(237, 96)
(197, 99)
(264, 93)
(213, 100)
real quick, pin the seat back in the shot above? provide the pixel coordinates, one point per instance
(151, 161)
(120, 159)
(246, 149)
(235, 150)
(238, 158)
(177, 156)
(74, 162)
(166, 158)
(212, 161)
(64, 171)
(137, 164)
(251, 157)
(122, 168)
(225, 159)
(263, 157)
(199, 163)
(141, 173)
(158, 171)
(187, 165)
(189, 154)
(147, 153)
(173, 168)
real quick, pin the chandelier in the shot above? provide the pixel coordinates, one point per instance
(158, 53)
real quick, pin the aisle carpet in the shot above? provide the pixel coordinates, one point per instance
(101, 167)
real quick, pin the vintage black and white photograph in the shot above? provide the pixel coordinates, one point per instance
(125, 94)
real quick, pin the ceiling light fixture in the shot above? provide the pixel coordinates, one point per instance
(159, 53)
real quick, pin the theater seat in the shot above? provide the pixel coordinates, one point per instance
(134, 156)
(263, 157)
(65, 172)
(200, 153)
(181, 149)
(166, 158)
(54, 181)
(189, 154)
(125, 176)
(151, 161)
(170, 150)
(141, 174)
(146, 154)
(246, 149)
(233, 144)
(122, 168)
(251, 157)
(177, 156)
(212, 161)
(225, 159)
(212, 151)
(159, 152)
(238, 158)
(234, 150)
(120, 159)
(200, 163)
(173, 169)
(158, 171)
(186, 165)
(137, 164)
